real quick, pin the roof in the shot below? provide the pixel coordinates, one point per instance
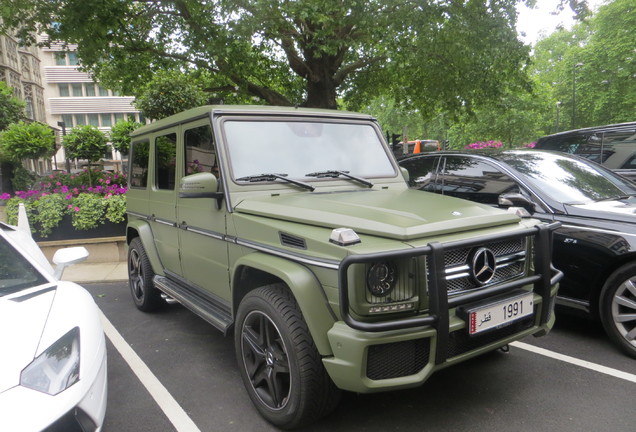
(203, 111)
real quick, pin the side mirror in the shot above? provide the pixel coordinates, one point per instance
(66, 257)
(516, 200)
(405, 174)
(200, 185)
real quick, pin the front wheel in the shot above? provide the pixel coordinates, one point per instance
(280, 366)
(618, 308)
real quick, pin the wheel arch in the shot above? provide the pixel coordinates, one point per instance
(141, 229)
(258, 269)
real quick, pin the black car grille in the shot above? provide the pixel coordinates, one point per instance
(397, 359)
(510, 256)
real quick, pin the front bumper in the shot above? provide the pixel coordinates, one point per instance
(81, 407)
(386, 355)
(366, 362)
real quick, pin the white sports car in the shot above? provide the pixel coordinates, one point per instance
(53, 351)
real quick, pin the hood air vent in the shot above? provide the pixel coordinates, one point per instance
(292, 241)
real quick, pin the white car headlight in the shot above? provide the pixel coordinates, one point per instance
(57, 368)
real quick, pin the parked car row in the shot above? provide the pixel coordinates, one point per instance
(595, 246)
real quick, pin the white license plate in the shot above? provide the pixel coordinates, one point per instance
(500, 314)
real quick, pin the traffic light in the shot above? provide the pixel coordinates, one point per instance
(395, 139)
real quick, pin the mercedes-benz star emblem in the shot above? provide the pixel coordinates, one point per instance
(483, 266)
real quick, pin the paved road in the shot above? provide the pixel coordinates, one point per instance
(184, 378)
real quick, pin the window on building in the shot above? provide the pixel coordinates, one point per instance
(93, 119)
(60, 59)
(80, 119)
(106, 120)
(77, 89)
(63, 88)
(89, 88)
(68, 121)
(102, 91)
(72, 59)
(118, 117)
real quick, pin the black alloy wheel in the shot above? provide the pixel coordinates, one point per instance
(280, 366)
(147, 298)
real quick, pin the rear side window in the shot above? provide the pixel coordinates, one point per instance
(165, 161)
(139, 164)
(200, 155)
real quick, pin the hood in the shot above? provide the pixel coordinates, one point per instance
(623, 210)
(400, 215)
(23, 316)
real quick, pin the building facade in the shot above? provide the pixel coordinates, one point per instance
(74, 98)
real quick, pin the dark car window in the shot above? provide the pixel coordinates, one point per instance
(566, 179)
(16, 273)
(476, 180)
(421, 172)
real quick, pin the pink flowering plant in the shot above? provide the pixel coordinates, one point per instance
(57, 195)
(484, 144)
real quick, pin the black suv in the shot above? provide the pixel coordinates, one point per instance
(613, 146)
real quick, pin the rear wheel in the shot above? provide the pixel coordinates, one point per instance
(147, 298)
(618, 308)
(280, 366)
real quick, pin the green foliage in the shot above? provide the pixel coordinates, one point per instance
(11, 109)
(430, 55)
(62, 194)
(22, 178)
(591, 69)
(85, 142)
(87, 211)
(120, 135)
(26, 140)
(168, 93)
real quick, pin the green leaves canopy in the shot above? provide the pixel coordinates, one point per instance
(85, 142)
(11, 109)
(426, 53)
(26, 140)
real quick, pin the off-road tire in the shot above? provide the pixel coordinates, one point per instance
(278, 360)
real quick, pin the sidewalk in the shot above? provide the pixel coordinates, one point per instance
(96, 272)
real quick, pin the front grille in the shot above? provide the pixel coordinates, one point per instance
(510, 256)
(397, 359)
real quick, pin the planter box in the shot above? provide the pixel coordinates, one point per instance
(66, 231)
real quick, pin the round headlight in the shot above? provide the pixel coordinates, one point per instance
(382, 278)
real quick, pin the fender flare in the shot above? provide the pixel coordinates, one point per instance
(305, 287)
(144, 232)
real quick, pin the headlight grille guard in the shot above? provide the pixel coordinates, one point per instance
(544, 278)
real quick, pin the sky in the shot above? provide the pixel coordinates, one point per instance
(539, 22)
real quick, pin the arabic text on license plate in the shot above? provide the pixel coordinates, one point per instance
(500, 314)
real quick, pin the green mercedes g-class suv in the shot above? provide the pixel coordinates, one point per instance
(295, 230)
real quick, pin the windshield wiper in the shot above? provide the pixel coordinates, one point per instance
(272, 177)
(338, 173)
(616, 197)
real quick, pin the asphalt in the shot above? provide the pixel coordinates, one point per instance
(96, 272)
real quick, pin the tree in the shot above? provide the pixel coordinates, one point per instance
(26, 140)
(426, 53)
(168, 93)
(120, 135)
(11, 109)
(85, 142)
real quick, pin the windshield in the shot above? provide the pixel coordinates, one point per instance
(569, 180)
(16, 273)
(297, 149)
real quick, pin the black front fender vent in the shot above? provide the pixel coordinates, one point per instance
(292, 241)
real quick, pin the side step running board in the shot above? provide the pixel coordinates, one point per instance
(215, 315)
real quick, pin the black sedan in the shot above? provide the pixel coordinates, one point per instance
(596, 244)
